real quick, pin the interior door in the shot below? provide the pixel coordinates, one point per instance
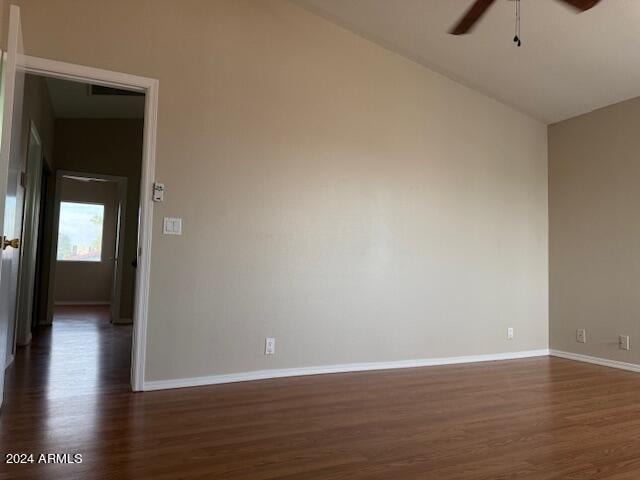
(11, 90)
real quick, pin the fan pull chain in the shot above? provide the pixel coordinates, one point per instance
(517, 39)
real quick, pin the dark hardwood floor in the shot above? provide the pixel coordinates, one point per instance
(542, 418)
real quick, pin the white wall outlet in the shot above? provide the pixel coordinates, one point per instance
(172, 226)
(510, 333)
(623, 342)
(269, 346)
(581, 335)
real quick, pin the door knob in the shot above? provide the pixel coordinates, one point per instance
(15, 243)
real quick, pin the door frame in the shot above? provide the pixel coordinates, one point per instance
(116, 283)
(149, 86)
(30, 227)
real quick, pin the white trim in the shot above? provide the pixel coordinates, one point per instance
(605, 362)
(350, 367)
(96, 76)
(72, 303)
(83, 73)
(143, 277)
(31, 219)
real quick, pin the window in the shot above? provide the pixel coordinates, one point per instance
(80, 232)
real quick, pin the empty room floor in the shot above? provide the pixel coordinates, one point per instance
(540, 418)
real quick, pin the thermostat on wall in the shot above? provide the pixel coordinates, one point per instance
(158, 192)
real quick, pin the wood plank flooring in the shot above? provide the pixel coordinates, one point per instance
(532, 419)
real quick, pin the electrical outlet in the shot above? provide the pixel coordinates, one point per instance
(581, 335)
(510, 333)
(269, 346)
(623, 342)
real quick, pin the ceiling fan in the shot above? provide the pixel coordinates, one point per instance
(480, 7)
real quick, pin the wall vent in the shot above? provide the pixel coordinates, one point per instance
(101, 91)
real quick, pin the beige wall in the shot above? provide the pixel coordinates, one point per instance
(108, 147)
(594, 193)
(354, 205)
(37, 108)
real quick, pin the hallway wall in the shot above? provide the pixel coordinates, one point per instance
(37, 110)
(38, 104)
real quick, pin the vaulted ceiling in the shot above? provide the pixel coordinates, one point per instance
(569, 64)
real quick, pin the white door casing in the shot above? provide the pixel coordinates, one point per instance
(97, 76)
(31, 219)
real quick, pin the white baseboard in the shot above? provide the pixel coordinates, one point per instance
(26, 342)
(351, 367)
(595, 360)
(9, 361)
(81, 302)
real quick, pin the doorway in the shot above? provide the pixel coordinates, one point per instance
(15, 65)
(89, 246)
(91, 243)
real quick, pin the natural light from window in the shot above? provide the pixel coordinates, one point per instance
(80, 232)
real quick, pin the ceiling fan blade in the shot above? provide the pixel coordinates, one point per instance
(469, 19)
(582, 5)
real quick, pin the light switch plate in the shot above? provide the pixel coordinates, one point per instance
(172, 226)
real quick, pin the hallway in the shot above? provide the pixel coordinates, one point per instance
(59, 388)
(81, 354)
